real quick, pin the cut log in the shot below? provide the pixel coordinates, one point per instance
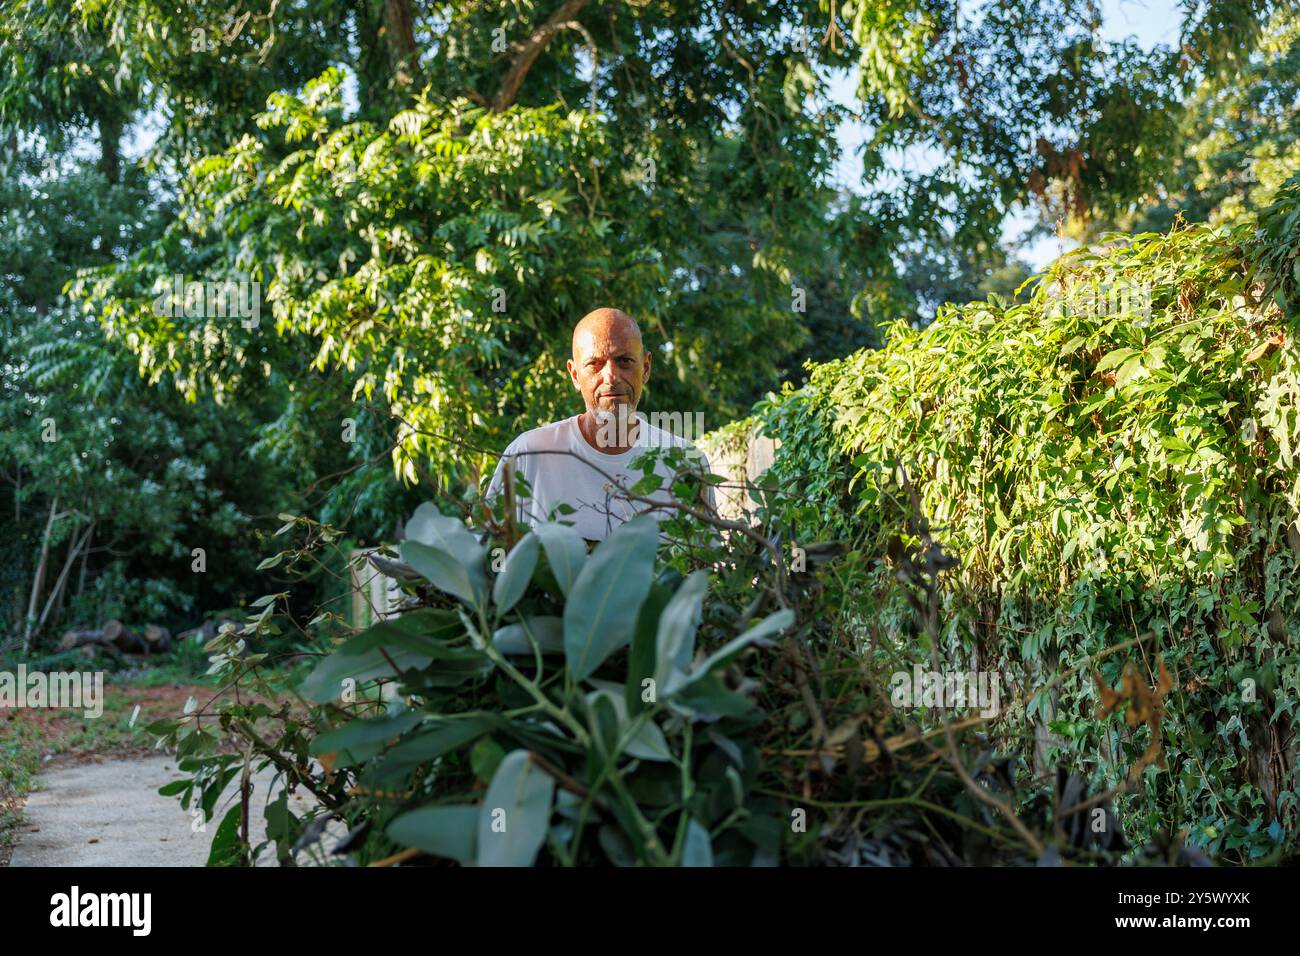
(90, 642)
(158, 638)
(124, 638)
(71, 639)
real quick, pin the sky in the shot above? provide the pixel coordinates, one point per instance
(1149, 21)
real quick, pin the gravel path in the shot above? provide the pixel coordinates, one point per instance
(110, 814)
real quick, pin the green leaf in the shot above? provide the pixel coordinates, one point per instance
(602, 607)
(431, 744)
(447, 831)
(413, 640)
(227, 848)
(485, 758)
(675, 639)
(361, 739)
(175, 787)
(1073, 344)
(648, 743)
(565, 551)
(697, 849)
(647, 485)
(641, 657)
(447, 573)
(1113, 358)
(547, 630)
(758, 633)
(512, 582)
(515, 814)
(707, 698)
(605, 722)
(430, 527)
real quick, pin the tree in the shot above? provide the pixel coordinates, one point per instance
(1239, 140)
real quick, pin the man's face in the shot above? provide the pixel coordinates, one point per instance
(609, 365)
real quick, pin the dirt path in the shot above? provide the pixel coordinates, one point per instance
(110, 814)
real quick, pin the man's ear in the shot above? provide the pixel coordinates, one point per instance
(645, 372)
(573, 375)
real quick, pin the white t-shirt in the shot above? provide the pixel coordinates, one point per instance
(576, 480)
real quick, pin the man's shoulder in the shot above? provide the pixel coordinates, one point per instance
(543, 437)
(663, 438)
(657, 437)
(551, 437)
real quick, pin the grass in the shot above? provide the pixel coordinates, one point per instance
(20, 755)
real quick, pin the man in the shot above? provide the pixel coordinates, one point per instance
(575, 461)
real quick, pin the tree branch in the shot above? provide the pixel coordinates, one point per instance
(530, 50)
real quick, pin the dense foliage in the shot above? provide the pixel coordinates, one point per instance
(426, 194)
(1113, 457)
(678, 699)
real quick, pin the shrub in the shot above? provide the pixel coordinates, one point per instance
(1113, 457)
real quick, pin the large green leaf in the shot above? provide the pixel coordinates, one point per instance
(759, 633)
(697, 849)
(512, 582)
(515, 814)
(707, 698)
(641, 656)
(601, 610)
(546, 629)
(448, 831)
(227, 848)
(445, 571)
(675, 640)
(430, 743)
(359, 740)
(430, 527)
(565, 552)
(412, 640)
(648, 743)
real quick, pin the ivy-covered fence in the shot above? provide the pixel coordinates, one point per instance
(1114, 458)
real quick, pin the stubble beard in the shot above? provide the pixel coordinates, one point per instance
(616, 423)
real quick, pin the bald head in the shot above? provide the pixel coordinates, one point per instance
(609, 365)
(604, 325)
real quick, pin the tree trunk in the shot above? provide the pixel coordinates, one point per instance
(75, 638)
(110, 138)
(399, 36)
(75, 544)
(38, 581)
(85, 558)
